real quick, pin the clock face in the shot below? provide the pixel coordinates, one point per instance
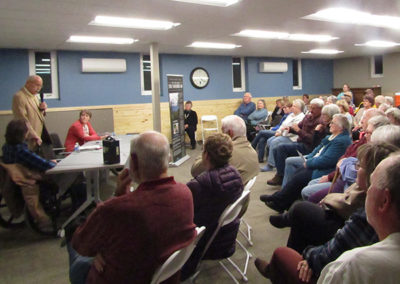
(199, 78)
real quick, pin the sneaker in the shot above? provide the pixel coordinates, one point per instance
(266, 168)
(262, 267)
(276, 180)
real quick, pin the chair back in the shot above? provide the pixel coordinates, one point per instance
(176, 260)
(250, 183)
(209, 118)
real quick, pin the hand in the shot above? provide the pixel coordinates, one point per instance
(186, 126)
(295, 127)
(319, 127)
(339, 163)
(305, 165)
(123, 183)
(37, 140)
(99, 263)
(305, 271)
(20, 177)
(323, 179)
(43, 106)
(278, 133)
(104, 137)
(54, 161)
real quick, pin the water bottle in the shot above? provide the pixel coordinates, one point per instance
(76, 147)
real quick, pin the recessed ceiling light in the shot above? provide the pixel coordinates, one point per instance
(202, 44)
(285, 36)
(220, 3)
(323, 51)
(133, 23)
(378, 43)
(350, 16)
(98, 39)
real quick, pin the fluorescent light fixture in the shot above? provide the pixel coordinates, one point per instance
(284, 36)
(98, 39)
(323, 51)
(350, 16)
(220, 3)
(202, 44)
(133, 23)
(378, 43)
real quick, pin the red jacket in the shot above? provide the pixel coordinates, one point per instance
(75, 134)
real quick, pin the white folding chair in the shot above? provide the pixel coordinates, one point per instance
(208, 119)
(247, 236)
(176, 260)
(229, 215)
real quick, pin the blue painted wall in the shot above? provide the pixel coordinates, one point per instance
(14, 69)
(80, 89)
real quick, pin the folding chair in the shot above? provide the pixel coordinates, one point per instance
(229, 215)
(209, 119)
(248, 186)
(176, 260)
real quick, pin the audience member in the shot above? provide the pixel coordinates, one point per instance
(384, 107)
(306, 100)
(394, 115)
(344, 109)
(389, 100)
(379, 100)
(379, 262)
(25, 105)
(331, 100)
(127, 238)
(368, 102)
(246, 107)
(216, 188)
(190, 123)
(277, 113)
(259, 115)
(321, 161)
(81, 131)
(346, 91)
(244, 157)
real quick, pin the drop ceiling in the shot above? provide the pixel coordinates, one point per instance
(47, 24)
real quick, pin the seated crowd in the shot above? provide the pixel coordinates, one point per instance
(336, 166)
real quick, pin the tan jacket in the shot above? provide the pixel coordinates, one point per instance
(244, 159)
(26, 106)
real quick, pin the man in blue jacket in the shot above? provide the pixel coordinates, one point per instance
(246, 107)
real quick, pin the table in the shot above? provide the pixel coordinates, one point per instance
(90, 162)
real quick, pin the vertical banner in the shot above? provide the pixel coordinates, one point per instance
(175, 94)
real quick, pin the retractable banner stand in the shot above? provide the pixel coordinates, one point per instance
(175, 93)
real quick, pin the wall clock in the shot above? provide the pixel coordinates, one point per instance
(199, 78)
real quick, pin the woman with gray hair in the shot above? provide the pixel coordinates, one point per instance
(374, 123)
(387, 134)
(393, 114)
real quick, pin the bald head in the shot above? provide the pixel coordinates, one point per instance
(150, 156)
(34, 84)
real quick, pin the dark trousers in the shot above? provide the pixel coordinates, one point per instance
(190, 131)
(287, 150)
(282, 268)
(311, 225)
(292, 190)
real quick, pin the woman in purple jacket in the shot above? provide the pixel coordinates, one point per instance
(213, 190)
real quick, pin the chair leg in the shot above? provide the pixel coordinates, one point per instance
(229, 273)
(248, 256)
(249, 229)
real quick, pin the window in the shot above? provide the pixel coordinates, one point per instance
(238, 77)
(44, 64)
(377, 66)
(297, 78)
(146, 74)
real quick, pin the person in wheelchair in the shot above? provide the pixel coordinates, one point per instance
(15, 151)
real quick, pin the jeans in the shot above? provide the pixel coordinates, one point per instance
(79, 266)
(291, 165)
(313, 187)
(282, 151)
(272, 143)
(261, 140)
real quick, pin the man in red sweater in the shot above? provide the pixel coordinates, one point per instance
(127, 238)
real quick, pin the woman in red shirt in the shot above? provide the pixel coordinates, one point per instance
(81, 131)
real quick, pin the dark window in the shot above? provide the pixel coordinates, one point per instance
(378, 64)
(43, 69)
(295, 73)
(146, 72)
(237, 72)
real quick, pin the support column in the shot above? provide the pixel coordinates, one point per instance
(155, 86)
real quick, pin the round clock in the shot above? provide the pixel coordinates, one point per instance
(199, 78)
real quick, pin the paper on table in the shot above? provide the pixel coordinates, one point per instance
(90, 147)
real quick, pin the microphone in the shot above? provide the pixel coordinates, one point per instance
(41, 97)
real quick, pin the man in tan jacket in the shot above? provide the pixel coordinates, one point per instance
(244, 157)
(26, 106)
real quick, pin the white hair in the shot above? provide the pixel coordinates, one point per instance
(318, 102)
(380, 99)
(384, 107)
(300, 104)
(235, 124)
(395, 113)
(387, 134)
(389, 100)
(330, 110)
(343, 122)
(332, 99)
(378, 120)
(152, 151)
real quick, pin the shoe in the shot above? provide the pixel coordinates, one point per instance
(279, 221)
(266, 168)
(274, 206)
(265, 197)
(262, 267)
(276, 180)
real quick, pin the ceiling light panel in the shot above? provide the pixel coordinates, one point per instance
(132, 23)
(378, 43)
(323, 51)
(97, 39)
(202, 44)
(285, 36)
(219, 3)
(350, 16)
